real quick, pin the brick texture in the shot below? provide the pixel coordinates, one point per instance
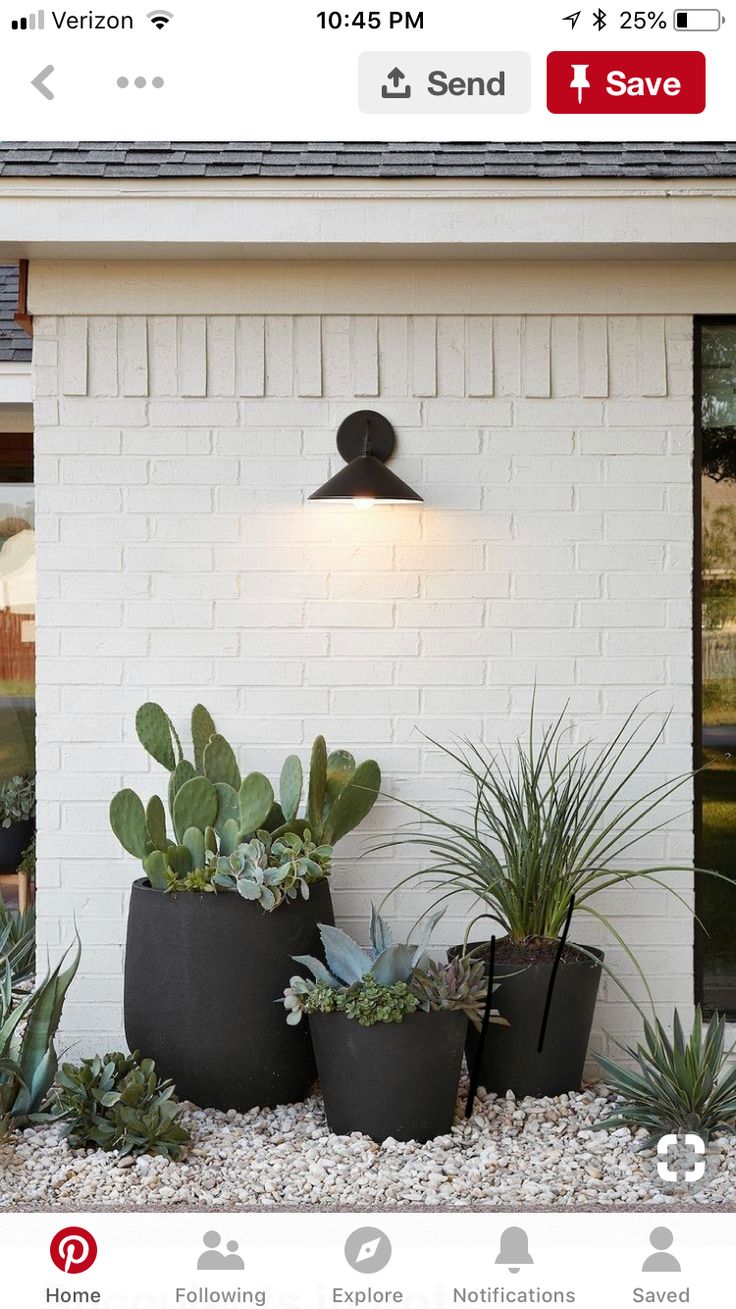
(179, 561)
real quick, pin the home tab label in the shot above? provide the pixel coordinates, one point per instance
(626, 82)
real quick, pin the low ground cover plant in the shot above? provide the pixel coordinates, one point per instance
(231, 833)
(118, 1102)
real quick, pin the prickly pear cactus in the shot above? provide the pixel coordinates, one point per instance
(203, 728)
(128, 822)
(157, 735)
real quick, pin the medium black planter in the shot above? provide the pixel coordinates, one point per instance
(511, 1059)
(392, 1079)
(202, 974)
(13, 841)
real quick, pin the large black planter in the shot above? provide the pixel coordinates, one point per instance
(13, 841)
(202, 974)
(511, 1059)
(392, 1079)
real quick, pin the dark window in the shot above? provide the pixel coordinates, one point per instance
(17, 605)
(715, 659)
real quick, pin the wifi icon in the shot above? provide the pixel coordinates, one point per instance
(160, 18)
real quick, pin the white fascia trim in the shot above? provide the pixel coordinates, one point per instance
(16, 384)
(363, 217)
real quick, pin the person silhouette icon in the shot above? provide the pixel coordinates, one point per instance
(233, 1259)
(212, 1258)
(661, 1261)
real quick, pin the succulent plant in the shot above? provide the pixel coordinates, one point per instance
(17, 800)
(118, 1102)
(384, 983)
(18, 944)
(28, 1027)
(458, 986)
(214, 812)
(367, 1003)
(273, 870)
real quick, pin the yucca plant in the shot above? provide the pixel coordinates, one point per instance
(677, 1084)
(549, 824)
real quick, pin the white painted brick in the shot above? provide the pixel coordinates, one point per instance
(554, 547)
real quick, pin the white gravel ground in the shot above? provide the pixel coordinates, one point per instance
(536, 1152)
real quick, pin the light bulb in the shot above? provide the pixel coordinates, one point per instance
(363, 501)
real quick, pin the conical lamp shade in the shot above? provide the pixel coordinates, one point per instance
(366, 478)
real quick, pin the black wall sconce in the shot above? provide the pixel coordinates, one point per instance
(365, 441)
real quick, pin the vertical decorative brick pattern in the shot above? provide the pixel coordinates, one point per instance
(180, 561)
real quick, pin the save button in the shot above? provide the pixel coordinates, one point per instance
(626, 82)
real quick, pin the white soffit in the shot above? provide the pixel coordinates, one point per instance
(366, 218)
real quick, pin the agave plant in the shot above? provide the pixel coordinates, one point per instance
(547, 827)
(18, 944)
(677, 1084)
(28, 1060)
(387, 981)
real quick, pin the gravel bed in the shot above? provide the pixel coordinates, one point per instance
(510, 1155)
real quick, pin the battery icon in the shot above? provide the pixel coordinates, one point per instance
(698, 20)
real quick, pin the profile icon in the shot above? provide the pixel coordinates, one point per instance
(661, 1261)
(213, 1259)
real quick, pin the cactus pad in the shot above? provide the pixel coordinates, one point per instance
(290, 787)
(317, 787)
(256, 798)
(203, 728)
(128, 822)
(220, 764)
(156, 823)
(195, 805)
(354, 803)
(155, 734)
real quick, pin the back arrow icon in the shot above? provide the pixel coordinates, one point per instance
(39, 81)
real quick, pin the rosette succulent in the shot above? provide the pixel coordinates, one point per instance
(386, 981)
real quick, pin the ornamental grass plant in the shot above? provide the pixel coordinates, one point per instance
(546, 825)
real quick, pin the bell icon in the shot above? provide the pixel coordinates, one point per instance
(514, 1249)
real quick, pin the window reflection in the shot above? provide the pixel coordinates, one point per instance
(716, 903)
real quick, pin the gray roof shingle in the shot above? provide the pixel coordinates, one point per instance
(643, 159)
(15, 344)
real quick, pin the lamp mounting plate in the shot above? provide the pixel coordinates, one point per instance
(351, 436)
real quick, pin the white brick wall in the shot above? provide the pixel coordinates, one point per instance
(178, 560)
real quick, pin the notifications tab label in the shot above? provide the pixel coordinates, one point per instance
(626, 82)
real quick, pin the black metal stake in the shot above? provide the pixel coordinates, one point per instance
(475, 1070)
(553, 977)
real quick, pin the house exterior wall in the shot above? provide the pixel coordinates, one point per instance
(179, 561)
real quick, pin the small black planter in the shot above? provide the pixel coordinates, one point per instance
(202, 974)
(13, 841)
(511, 1061)
(392, 1079)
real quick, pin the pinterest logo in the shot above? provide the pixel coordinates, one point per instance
(73, 1250)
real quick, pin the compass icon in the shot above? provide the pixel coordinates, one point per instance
(368, 1250)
